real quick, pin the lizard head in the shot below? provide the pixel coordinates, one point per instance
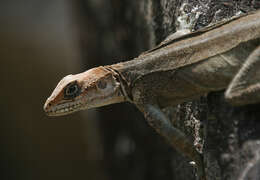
(93, 88)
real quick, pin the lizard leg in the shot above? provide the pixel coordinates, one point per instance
(245, 86)
(158, 120)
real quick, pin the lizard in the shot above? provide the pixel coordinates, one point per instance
(183, 68)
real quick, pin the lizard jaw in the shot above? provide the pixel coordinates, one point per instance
(64, 109)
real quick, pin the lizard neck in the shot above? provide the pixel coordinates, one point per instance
(128, 72)
(123, 79)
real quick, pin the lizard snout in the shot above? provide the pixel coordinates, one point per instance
(47, 106)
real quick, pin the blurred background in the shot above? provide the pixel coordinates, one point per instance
(41, 42)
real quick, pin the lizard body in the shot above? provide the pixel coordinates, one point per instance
(226, 56)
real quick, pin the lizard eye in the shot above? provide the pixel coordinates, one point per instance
(71, 91)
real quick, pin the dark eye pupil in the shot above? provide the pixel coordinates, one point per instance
(71, 91)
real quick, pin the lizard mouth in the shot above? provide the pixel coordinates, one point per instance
(63, 109)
